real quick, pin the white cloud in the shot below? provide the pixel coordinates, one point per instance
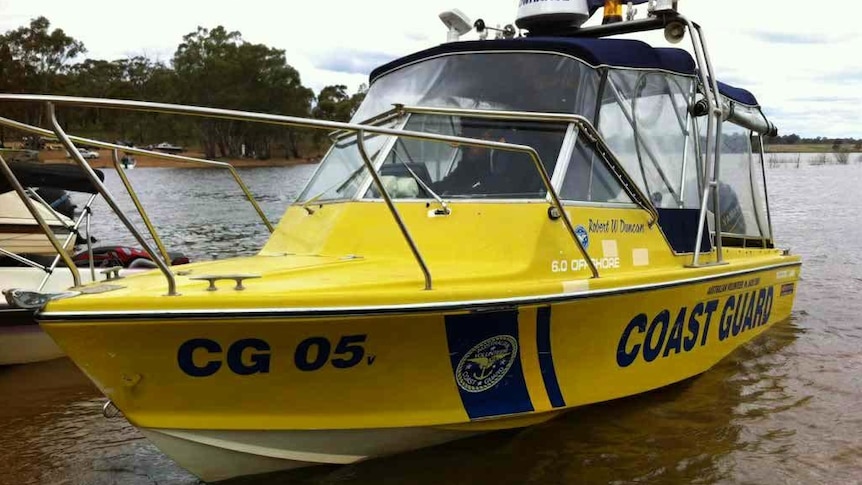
(787, 53)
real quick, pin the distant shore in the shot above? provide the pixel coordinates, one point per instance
(810, 148)
(144, 161)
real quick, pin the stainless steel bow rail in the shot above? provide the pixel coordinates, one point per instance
(125, 180)
(69, 143)
(586, 127)
(132, 194)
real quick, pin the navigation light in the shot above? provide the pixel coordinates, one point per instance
(613, 12)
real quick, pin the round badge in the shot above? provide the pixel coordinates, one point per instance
(583, 236)
(487, 363)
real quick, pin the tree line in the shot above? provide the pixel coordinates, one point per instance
(794, 139)
(210, 67)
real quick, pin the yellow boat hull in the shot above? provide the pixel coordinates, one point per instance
(235, 394)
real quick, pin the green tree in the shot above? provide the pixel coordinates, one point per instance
(218, 68)
(46, 52)
(333, 103)
(39, 56)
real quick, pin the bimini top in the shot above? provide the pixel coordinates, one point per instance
(622, 53)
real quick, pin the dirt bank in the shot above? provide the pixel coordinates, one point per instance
(104, 160)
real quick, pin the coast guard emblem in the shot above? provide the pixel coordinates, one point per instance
(487, 363)
(583, 236)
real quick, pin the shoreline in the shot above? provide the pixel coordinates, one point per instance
(145, 161)
(810, 148)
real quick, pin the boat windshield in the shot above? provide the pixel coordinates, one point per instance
(416, 168)
(342, 171)
(514, 81)
(643, 115)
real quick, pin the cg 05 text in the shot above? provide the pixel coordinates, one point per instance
(202, 357)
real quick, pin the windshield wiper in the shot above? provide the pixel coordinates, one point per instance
(340, 186)
(425, 187)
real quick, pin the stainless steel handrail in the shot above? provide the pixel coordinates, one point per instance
(753, 183)
(103, 191)
(593, 135)
(115, 157)
(718, 112)
(49, 233)
(369, 165)
(713, 138)
(138, 151)
(277, 120)
(765, 187)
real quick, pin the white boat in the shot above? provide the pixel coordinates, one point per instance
(128, 162)
(19, 232)
(31, 256)
(27, 251)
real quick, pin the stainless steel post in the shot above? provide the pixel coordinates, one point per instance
(718, 129)
(709, 158)
(360, 143)
(765, 191)
(92, 263)
(103, 191)
(115, 155)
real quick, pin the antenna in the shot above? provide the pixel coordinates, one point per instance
(457, 23)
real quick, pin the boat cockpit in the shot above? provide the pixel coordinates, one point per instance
(540, 93)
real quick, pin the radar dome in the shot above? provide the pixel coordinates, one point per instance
(539, 15)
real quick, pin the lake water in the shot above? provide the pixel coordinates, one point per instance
(786, 408)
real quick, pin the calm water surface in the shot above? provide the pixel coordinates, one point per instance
(786, 408)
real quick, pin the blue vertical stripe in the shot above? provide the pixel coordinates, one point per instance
(546, 358)
(505, 394)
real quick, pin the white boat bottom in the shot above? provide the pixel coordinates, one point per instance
(220, 455)
(23, 344)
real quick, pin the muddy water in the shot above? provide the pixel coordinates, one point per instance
(786, 408)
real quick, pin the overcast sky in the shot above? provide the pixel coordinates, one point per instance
(803, 64)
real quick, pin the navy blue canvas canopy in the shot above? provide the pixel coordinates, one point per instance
(624, 53)
(737, 94)
(595, 52)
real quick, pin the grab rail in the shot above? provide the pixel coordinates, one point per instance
(50, 100)
(363, 151)
(713, 139)
(103, 191)
(115, 158)
(611, 161)
(139, 151)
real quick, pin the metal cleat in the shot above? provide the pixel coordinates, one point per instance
(239, 278)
